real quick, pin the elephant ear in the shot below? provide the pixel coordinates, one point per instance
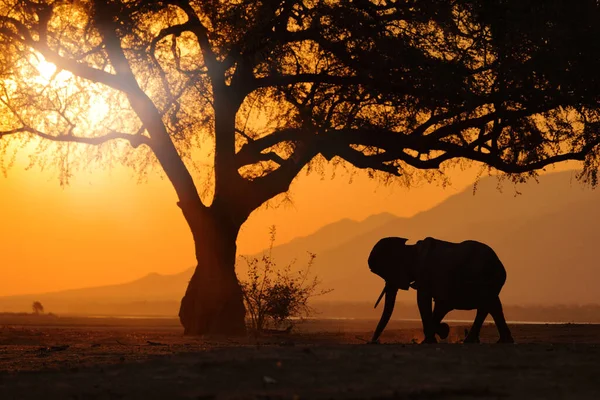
(425, 249)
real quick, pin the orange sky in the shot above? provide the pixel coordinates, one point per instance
(106, 228)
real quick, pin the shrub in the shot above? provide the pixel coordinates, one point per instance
(275, 296)
(37, 307)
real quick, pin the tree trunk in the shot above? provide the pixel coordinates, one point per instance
(213, 302)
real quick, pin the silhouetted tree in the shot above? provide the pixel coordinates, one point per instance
(37, 307)
(275, 86)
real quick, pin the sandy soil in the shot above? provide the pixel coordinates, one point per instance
(113, 359)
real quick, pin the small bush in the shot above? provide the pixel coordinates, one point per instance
(37, 308)
(274, 296)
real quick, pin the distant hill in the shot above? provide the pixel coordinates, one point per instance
(123, 299)
(546, 237)
(154, 293)
(331, 236)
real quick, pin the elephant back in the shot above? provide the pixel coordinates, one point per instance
(459, 273)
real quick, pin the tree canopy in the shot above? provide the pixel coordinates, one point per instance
(381, 84)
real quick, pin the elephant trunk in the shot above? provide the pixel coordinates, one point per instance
(390, 301)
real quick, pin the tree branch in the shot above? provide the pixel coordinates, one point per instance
(493, 160)
(147, 112)
(135, 140)
(394, 144)
(198, 29)
(251, 152)
(363, 161)
(266, 187)
(284, 80)
(258, 157)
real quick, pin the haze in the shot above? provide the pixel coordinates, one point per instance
(105, 228)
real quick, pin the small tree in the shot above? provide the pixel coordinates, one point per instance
(274, 296)
(37, 308)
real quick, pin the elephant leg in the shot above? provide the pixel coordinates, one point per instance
(473, 336)
(500, 321)
(439, 312)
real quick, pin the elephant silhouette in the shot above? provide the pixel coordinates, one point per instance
(456, 276)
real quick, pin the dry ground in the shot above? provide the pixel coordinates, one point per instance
(110, 359)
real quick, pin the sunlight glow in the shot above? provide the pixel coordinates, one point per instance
(95, 109)
(45, 68)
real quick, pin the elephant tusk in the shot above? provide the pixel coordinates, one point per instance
(380, 297)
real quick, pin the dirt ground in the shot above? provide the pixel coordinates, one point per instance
(111, 359)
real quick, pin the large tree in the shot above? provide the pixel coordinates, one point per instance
(266, 88)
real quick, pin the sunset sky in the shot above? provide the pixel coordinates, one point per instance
(106, 228)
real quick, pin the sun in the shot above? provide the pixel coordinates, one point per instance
(45, 68)
(45, 71)
(96, 106)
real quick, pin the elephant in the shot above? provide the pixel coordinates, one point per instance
(456, 276)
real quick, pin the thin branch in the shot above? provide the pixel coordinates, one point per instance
(135, 140)
(201, 33)
(284, 80)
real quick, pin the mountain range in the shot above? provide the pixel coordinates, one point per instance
(545, 233)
